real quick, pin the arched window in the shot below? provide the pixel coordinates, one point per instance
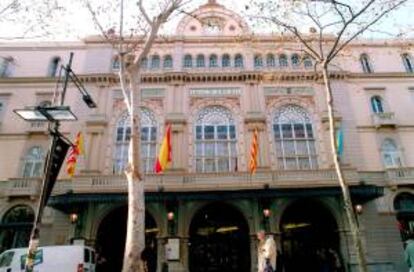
(188, 61)
(365, 63)
(144, 63)
(116, 65)
(33, 162)
(294, 138)
(213, 61)
(408, 63)
(295, 60)
(404, 208)
(238, 61)
(200, 61)
(307, 62)
(148, 142)
(155, 62)
(376, 104)
(283, 62)
(5, 66)
(215, 140)
(270, 60)
(258, 61)
(15, 227)
(390, 154)
(404, 202)
(168, 61)
(54, 66)
(225, 60)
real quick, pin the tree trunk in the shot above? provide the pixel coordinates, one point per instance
(356, 235)
(135, 240)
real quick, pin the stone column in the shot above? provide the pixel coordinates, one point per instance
(258, 121)
(176, 117)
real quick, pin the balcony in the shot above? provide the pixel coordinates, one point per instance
(384, 119)
(189, 182)
(37, 127)
(21, 187)
(401, 176)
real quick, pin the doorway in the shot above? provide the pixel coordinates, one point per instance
(111, 238)
(310, 238)
(219, 240)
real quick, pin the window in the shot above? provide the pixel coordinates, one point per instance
(258, 61)
(155, 62)
(116, 65)
(2, 106)
(188, 61)
(33, 162)
(144, 63)
(404, 208)
(238, 61)
(408, 63)
(225, 60)
(213, 61)
(148, 142)
(5, 66)
(200, 61)
(307, 62)
(365, 64)
(283, 61)
(215, 140)
(168, 61)
(295, 60)
(294, 139)
(376, 104)
(390, 154)
(270, 60)
(16, 226)
(54, 66)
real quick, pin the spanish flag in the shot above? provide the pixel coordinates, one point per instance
(76, 150)
(254, 150)
(164, 158)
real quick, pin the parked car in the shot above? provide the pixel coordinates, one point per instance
(70, 258)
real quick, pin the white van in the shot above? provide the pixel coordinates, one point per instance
(71, 258)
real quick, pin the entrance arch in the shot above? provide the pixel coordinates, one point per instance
(111, 236)
(15, 227)
(310, 237)
(219, 240)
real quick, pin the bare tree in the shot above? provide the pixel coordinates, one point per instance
(131, 50)
(28, 19)
(309, 22)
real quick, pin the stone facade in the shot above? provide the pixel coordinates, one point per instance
(253, 91)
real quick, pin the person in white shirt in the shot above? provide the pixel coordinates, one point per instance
(266, 250)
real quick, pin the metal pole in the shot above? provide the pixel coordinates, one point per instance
(34, 236)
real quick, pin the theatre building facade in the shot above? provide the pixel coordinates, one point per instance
(215, 83)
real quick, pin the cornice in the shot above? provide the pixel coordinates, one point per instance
(212, 76)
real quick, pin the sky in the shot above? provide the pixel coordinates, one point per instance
(74, 22)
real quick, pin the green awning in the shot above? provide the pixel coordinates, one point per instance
(68, 202)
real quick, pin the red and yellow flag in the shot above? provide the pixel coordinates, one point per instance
(164, 157)
(254, 150)
(76, 150)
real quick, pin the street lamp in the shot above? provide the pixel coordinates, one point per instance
(58, 148)
(44, 114)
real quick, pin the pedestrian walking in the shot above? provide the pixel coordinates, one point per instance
(409, 252)
(266, 252)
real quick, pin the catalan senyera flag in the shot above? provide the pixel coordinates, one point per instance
(254, 150)
(76, 150)
(165, 156)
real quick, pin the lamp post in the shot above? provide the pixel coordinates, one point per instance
(58, 148)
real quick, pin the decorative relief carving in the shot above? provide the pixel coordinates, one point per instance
(215, 92)
(288, 91)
